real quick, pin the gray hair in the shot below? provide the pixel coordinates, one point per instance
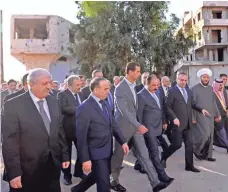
(36, 73)
(95, 83)
(164, 78)
(71, 79)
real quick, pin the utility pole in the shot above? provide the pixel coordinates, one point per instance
(1, 48)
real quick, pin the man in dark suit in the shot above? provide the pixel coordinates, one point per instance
(69, 100)
(11, 84)
(179, 110)
(54, 89)
(151, 115)
(34, 146)
(95, 127)
(139, 87)
(86, 91)
(163, 92)
(23, 90)
(224, 78)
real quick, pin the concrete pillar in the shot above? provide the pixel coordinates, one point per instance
(216, 54)
(225, 53)
(205, 55)
(210, 55)
(31, 33)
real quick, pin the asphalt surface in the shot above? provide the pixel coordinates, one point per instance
(212, 178)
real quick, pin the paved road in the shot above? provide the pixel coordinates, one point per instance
(213, 176)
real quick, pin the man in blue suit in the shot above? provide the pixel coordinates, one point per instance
(151, 115)
(95, 128)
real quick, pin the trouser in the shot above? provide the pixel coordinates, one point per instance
(178, 136)
(142, 154)
(46, 179)
(100, 175)
(77, 167)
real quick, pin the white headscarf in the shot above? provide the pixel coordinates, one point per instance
(204, 71)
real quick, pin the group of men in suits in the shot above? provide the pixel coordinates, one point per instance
(40, 124)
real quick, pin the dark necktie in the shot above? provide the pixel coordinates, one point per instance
(77, 103)
(44, 115)
(105, 110)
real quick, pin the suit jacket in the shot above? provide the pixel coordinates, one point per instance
(139, 87)
(177, 107)
(226, 97)
(112, 90)
(149, 113)
(26, 142)
(94, 132)
(3, 95)
(8, 97)
(68, 108)
(54, 93)
(85, 92)
(126, 109)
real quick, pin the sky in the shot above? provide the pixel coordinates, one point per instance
(64, 8)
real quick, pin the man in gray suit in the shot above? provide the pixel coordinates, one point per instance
(151, 115)
(126, 102)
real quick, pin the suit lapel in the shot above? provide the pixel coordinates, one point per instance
(130, 93)
(52, 112)
(180, 94)
(149, 96)
(33, 112)
(97, 108)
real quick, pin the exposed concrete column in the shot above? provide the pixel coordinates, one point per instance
(210, 55)
(31, 33)
(205, 55)
(225, 53)
(216, 54)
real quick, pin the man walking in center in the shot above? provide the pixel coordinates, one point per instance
(95, 128)
(126, 102)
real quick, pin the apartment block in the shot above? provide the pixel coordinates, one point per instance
(209, 25)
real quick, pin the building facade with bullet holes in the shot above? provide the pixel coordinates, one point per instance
(44, 41)
(209, 25)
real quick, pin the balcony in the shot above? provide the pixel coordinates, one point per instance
(215, 3)
(215, 22)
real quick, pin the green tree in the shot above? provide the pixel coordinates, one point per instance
(112, 33)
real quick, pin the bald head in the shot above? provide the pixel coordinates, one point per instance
(165, 81)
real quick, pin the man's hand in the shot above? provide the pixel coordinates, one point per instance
(193, 121)
(218, 119)
(16, 183)
(87, 166)
(125, 148)
(205, 112)
(143, 129)
(176, 122)
(66, 164)
(165, 126)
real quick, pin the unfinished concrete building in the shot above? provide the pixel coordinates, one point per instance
(43, 41)
(210, 26)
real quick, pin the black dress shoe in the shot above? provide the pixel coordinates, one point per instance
(140, 169)
(211, 159)
(122, 167)
(192, 169)
(200, 157)
(168, 180)
(118, 188)
(81, 176)
(160, 186)
(67, 181)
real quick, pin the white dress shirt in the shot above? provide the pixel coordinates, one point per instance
(165, 89)
(79, 99)
(132, 87)
(36, 99)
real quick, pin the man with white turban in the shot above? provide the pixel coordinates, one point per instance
(203, 129)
